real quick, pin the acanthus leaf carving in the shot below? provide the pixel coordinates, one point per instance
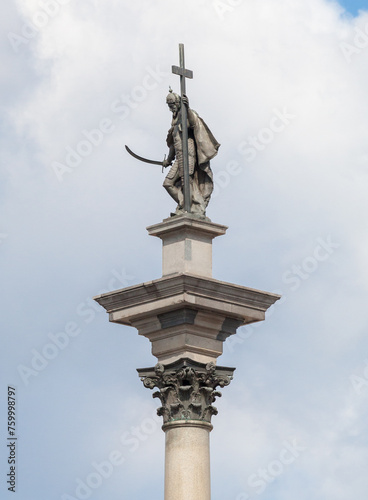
(187, 389)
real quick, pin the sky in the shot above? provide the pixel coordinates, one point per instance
(282, 85)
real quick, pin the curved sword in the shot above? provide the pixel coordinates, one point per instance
(153, 162)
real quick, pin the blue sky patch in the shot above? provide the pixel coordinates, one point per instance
(353, 6)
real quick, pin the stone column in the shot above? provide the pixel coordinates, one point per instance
(187, 460)
(187, 390)
(187, 315)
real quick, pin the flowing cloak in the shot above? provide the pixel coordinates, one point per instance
(206, 144)
(206, 149)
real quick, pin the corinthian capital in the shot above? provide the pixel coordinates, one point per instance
(187, 388)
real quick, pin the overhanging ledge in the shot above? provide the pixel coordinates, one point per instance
(186, 316)
(185, 290)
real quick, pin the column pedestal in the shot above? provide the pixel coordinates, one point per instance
(187, 460)
(187, 244)
(186, 313)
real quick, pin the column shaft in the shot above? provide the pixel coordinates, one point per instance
(187, 460)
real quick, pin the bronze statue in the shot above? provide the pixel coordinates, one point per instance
(202, 147)
(192, 146)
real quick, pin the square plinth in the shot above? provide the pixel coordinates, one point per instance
(187, 244)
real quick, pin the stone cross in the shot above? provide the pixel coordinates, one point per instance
(184, 73)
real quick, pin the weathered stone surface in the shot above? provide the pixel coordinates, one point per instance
(186, 389)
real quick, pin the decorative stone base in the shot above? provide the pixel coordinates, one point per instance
(186, 313)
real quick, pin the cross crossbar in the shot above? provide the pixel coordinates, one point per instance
(187, 73)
